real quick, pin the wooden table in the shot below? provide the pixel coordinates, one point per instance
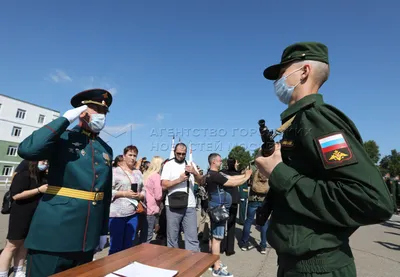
(188, 263)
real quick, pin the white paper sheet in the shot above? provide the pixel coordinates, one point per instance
(140, 270)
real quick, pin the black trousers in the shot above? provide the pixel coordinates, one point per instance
(162, 221)
(228, 243)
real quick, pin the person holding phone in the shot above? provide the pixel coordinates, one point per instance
(127, 192)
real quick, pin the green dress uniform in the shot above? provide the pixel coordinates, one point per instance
(325, 188)
(74, 211)
(244, 195)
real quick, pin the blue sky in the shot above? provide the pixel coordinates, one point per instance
(198, 65)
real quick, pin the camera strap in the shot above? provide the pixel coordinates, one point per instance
(187, 181)
(285, 125)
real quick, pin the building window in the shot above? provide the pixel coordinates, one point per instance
(7, 170)
(41, 119)
(12, 150)
(20, 114)
(16, 131)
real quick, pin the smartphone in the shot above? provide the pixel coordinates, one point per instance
(134, 187)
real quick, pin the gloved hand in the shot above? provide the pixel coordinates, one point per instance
(73, 114)
(102, 243)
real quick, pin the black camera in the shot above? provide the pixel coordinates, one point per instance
(267, 136)
(187, 173)
(267, 149)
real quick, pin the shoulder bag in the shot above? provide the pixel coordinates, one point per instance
(7, 202)
(219, 213)
(179, 199)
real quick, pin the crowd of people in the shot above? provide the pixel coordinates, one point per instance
(314, 188)
(157, 200)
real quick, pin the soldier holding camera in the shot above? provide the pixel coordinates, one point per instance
(323, 185)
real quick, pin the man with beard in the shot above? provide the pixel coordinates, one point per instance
(178, 178)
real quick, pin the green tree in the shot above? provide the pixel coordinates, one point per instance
(255, 153)
(373, 150)
(224, 163)
(240, 154)
(391, 163)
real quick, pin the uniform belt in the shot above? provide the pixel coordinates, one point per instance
(75, 193)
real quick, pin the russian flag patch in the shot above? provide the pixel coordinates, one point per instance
(335, 151)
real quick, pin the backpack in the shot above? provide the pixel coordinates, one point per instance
(259, 183)
(7, 201)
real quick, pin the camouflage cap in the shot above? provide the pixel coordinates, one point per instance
(298, 52)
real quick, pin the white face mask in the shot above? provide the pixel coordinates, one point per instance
(282, 90)
(97, 122)
(42, 167)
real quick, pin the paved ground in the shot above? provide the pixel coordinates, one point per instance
(376, 249)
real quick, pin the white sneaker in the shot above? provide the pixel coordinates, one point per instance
(224, 267)
(19, 274)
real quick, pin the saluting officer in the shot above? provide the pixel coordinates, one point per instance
(71, 220)
(323, 183)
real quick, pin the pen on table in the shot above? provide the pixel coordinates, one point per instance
(118, 274)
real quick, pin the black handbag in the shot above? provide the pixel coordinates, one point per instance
(7, 202)
(219, 213)
(179, 199)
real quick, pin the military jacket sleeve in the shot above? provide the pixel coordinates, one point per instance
(41, 144)
(326, 174)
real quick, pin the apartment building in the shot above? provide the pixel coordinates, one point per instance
(18, 119)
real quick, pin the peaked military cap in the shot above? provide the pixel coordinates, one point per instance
(298, 52)
(95, 96)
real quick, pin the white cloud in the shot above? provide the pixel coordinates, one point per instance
(59, 76)
(160, 117)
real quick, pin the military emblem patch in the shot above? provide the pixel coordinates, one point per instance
(335, 151)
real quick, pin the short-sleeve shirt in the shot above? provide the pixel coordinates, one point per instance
(171, 171)
(122, 207)
(215, 179)
(233, 191)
